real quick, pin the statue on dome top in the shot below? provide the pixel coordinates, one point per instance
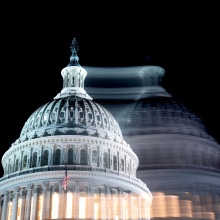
(74, 46)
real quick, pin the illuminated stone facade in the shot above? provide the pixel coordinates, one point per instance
(101, 166)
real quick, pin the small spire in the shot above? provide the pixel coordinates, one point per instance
(74, 59)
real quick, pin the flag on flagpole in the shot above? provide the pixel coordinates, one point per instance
(65, 179)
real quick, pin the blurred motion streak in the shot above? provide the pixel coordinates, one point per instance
(178, 160)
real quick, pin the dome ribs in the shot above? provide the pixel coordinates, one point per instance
(97, 115)
(71, 115)
(79, 114)
(71, 110)
(58, 111)
(46, 114)
(99, 111)
(88, 112)
(51, 109)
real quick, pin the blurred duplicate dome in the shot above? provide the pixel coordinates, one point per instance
(139, 102)
(177, 156)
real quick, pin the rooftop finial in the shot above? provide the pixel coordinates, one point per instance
(74, 59)
(74, 46)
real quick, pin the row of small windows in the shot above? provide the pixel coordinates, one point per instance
(71, 157)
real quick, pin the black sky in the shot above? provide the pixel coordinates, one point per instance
(35, 48)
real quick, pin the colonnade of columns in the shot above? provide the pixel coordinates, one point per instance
(101, 202)
(200, 202)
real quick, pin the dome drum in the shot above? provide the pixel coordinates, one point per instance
(48, 152)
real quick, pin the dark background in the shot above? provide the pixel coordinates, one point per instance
(35, 47)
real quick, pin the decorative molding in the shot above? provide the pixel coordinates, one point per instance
(17, 189)
(45, 184)
(30, 186)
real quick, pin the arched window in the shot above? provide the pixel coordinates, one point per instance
(34, 160)
(114, 163)
(54, 210)
(19, 210)
(73, 80)
(9, 210)
(105, 160)
(16, 165)
(46, 154)
(25, 162)
(57, 156)
(69, 205)
(82, 207)
(83, 156)
(70, 156)
(94, 158)
(40, 203)
(122, 165)
(96, 207)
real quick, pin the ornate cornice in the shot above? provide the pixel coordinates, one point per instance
(90, 176)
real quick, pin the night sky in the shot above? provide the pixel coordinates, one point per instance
(35, 50)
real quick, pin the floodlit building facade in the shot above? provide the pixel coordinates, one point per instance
(75, 133)
(178, 159)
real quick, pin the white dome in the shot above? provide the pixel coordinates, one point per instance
(71, 115)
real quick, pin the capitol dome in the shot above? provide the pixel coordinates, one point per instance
(71, 162)
(71, 115)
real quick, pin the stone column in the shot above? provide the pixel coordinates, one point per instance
(113, 204)
(35, 200)
(61, 210)
(216, 202)
(98, 155)
(23, 203)
(109, 158)
(15, 203)
(125, 163)
(108, 197)
(130, 206)
(14, 165)
(76, 201)
(120, 204)
(144, 209)
(90, 208)
(118, 161)
(196, 205)
(21, 160)
(29, 194)
(207, 201)
(48, 203)
(5, 204)
(44, 208)
(0, 207)
(102, 204)
(139, 208)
